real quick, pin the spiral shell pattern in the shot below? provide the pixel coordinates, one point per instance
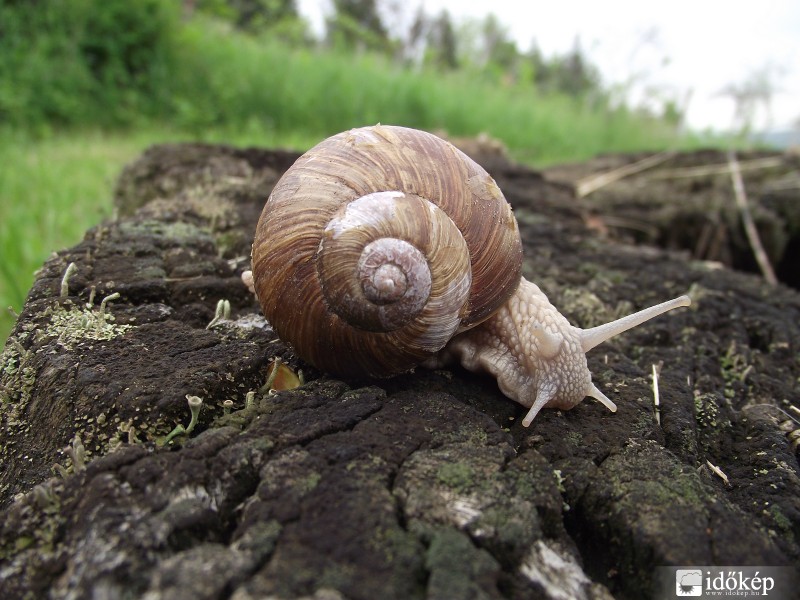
(378, 245)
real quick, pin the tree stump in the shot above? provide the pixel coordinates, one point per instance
(424, 485)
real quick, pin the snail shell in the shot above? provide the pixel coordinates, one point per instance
(379, 245)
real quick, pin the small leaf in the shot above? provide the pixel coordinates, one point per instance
(281, 377)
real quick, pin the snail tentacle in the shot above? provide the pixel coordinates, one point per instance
(537, 357)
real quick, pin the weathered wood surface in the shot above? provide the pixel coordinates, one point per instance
(423, 485)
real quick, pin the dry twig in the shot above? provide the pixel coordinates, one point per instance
(592, 183)
(718, 472)
(656, 398)
(718, 169)
(747, 219)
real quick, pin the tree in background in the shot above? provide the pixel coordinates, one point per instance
(412, 48)
(498, 49)
(278, 18)
(571, 74)
(356, 25)
(486, 46)
(260, 14)
(430, 41)
(442, 43)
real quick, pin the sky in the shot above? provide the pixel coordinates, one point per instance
(688, 50)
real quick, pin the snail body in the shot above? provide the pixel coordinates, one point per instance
(383, 248)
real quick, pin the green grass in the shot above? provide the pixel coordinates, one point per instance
(56, 178)
(259, 84)
(53, 189)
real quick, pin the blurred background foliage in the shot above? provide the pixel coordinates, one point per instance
(116, 63)
(85, 85)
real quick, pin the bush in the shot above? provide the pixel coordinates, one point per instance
(66, 62)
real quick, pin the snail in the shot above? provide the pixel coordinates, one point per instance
(383, 248)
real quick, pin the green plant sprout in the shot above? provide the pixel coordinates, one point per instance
(77, 453)
(195, 404)
(222, 313)
(71, 268)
